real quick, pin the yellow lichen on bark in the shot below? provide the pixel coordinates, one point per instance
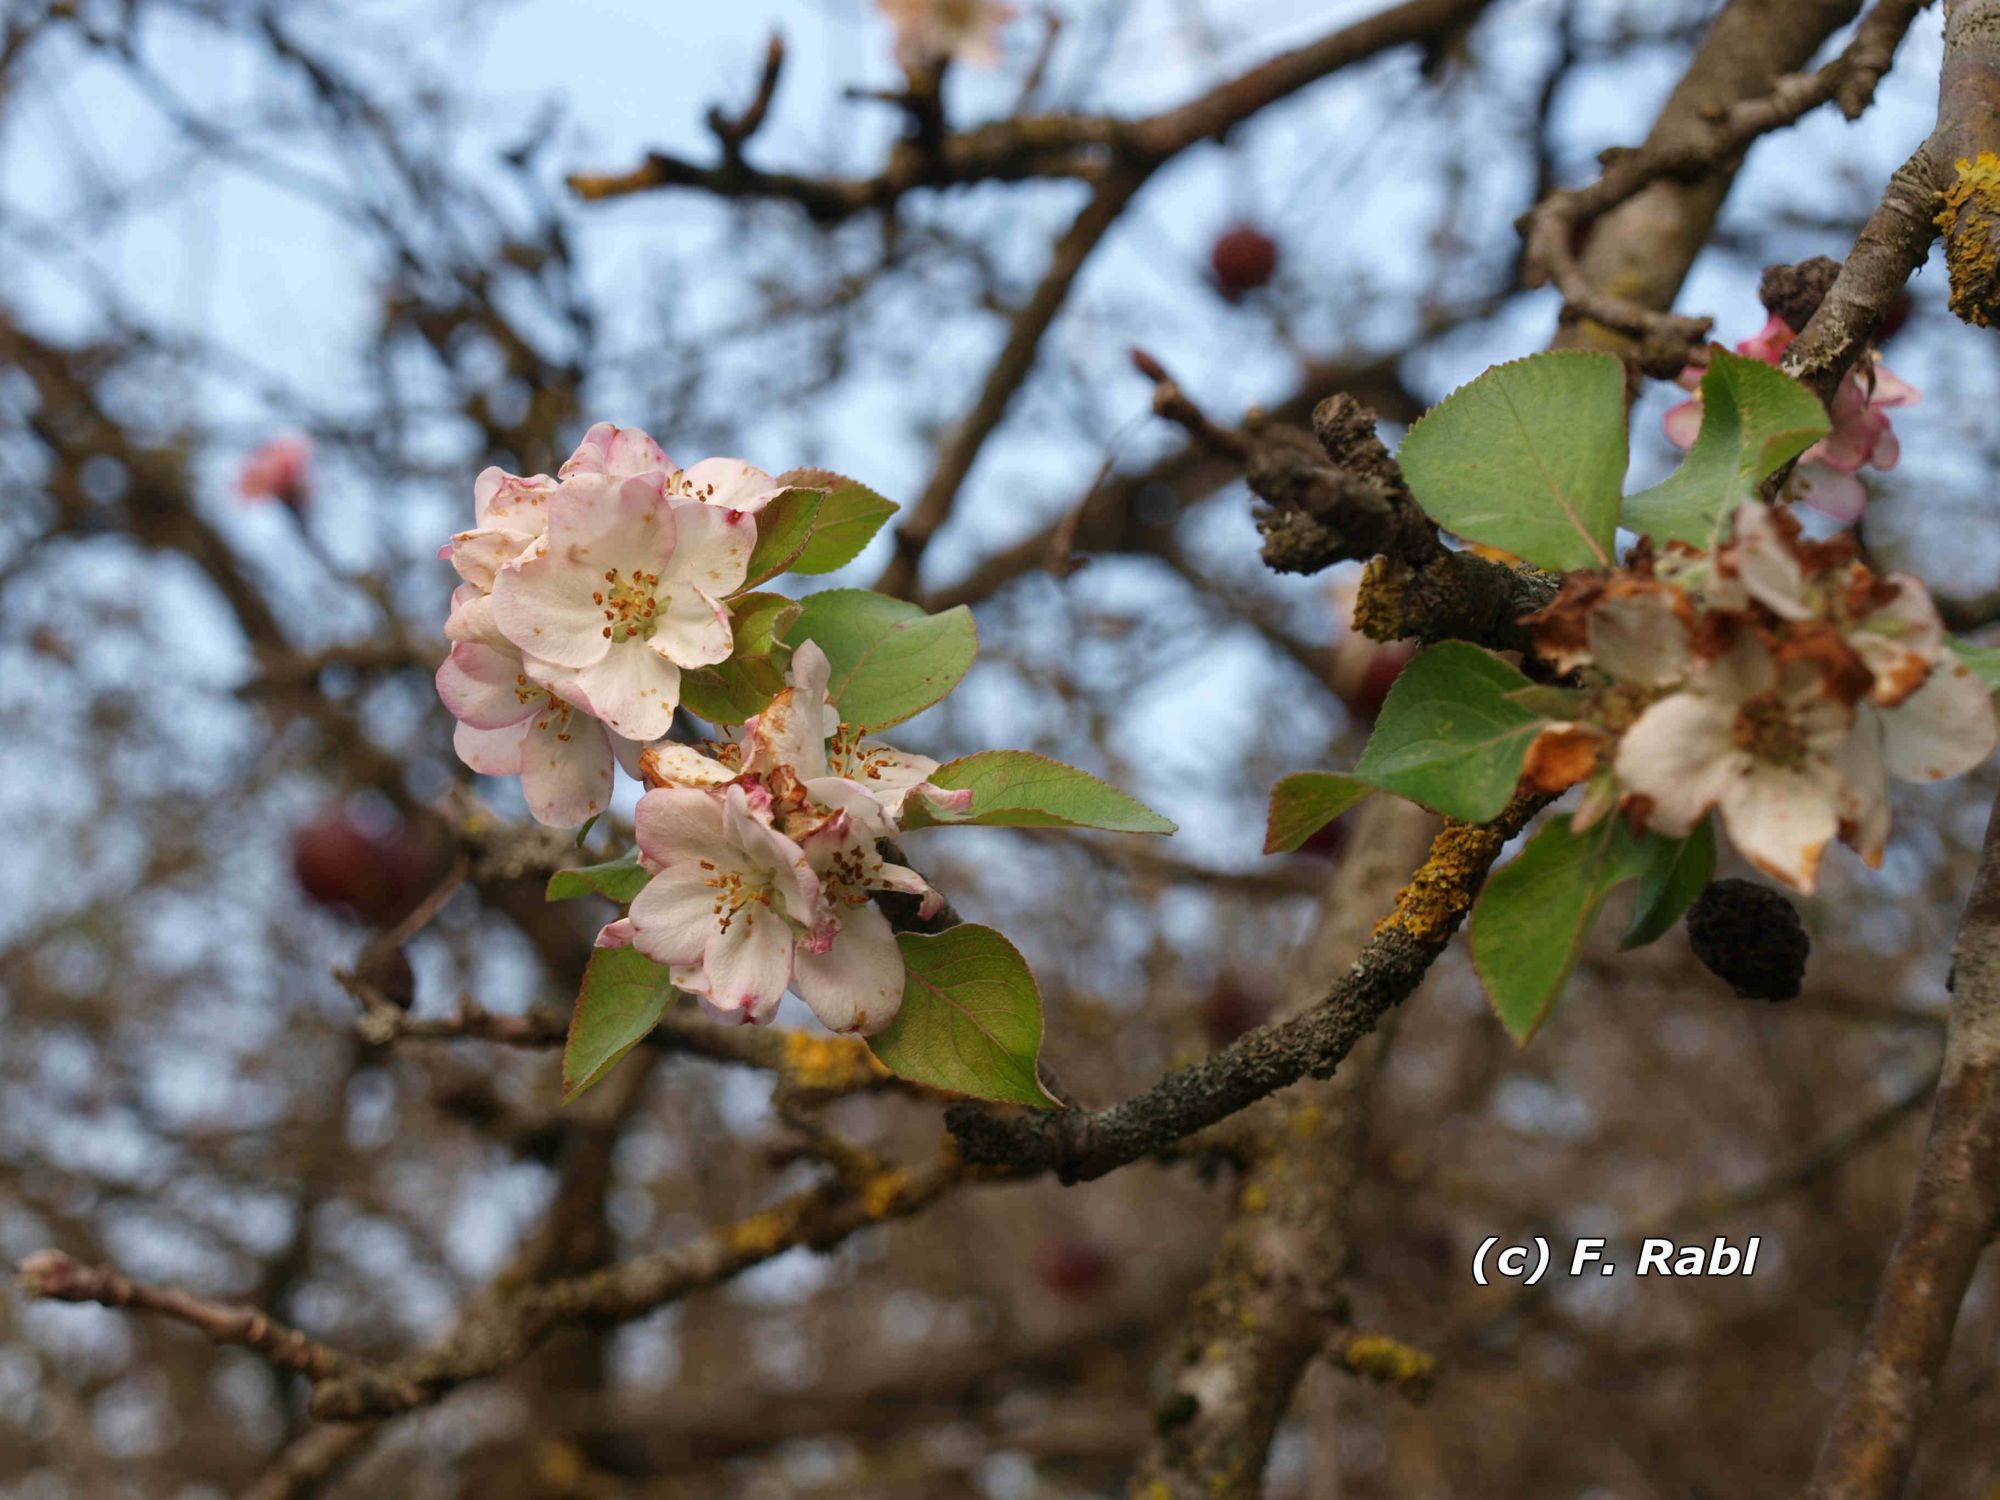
(1441, 891)
(829, 1064)
(1970, 222)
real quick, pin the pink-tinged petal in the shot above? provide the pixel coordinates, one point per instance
(491, 752)
(478, 556)
(711, 551)
(471, 619)
(1890, 389)
(1839, 497)
(1679, 757)
(551, 603)
(679, 825)
(507, 502)
(857, 983)
(943, 803)
(633, 689)
(865, 821)
(1781, 820)
(565, 769)
(486, 688)
(730, 484)
(1769, 342)
(691, 630)
(616, 934)
(1682, 424)
(1943, 729)
(723, 1017)
(1864, 791)
(620, 452)
(902, 878)
(674, 919)
(749, 967)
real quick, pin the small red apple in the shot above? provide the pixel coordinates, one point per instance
(1244, 259)
(1074, 1269)
(374, 873)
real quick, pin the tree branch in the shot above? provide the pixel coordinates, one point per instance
(1953, 1213)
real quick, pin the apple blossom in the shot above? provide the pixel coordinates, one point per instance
(1760, 740)
(1861, 436)
(279, 469)
(741, 912)
(622, 591)
(929, 32)
(510, 724)
(800, 732)
(1777, 679)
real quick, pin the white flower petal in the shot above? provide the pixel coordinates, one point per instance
(857, 984)
(490, 752)
(679, 825)
(1638, 636)
(633, 689)
(565, 769)
(749, 967)
(674, 918)
(1782, 820)
(1679, 757)
(1943, 729)
(487, 688)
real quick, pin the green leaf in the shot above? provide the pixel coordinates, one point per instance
(1754, 420)
(1535, 911)
(849, 516)
(1530, 457)
(623, 997)
(784, 527)
(1303, 804)
(971, 1019)
(1019, 789)
(619, 879)
(757, 621)
(735, 689)
(1984, 661)
(890, 660)
(1675, 872)
(1449, 736)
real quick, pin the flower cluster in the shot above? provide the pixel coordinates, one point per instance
(583, 598)
(1777, 680)
(763, 851)
(929, 32)
(1861, 436)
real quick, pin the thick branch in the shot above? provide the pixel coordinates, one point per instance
(1953, 1213)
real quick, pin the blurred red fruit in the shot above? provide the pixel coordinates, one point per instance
(374, 874)
(1328, 842)
(1244, 259)
(1073, 1268)
(1229, 1010)
(1364, 680)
